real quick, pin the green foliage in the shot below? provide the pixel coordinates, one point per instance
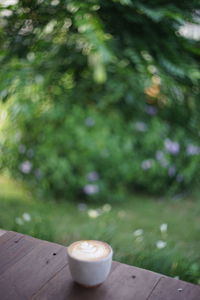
(60, 153)
(108, 88)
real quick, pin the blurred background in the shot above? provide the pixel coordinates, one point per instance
(100, 126)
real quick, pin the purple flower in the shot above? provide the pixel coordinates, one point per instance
(141, 126)
(172, 171)
(92, 176)
(91, 189)
(172, 147)
(89, 122)
(26, 167)
(151, 110)
(147, 164)
(159, 155)
(161, 158)
(192, 149)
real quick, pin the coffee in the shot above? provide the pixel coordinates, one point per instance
(89, 250)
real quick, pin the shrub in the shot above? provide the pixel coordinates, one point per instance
(71, 152)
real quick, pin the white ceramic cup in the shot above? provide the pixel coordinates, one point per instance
(90, 273)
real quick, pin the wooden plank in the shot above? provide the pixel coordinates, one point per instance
(5, 237)
(2, 232)
(38, 270)
(124, 282)
(10, 241)
(15, 248)
(11, 294)
(58, 287)
(61, 286)
(173, 289)
(31, 272)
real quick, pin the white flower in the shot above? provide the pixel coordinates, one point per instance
(31, 56)
(106, 207)
(6, 3)
(152, 69)
(138, 232)
(6, 12)
(93, 213)
(163, 227)
(26, 217)
(161, 244)
(55, 2)
(19, 221)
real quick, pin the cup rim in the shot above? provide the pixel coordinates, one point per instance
(91, 261)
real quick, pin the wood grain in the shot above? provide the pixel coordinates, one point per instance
(11, 294)
(34, 269)
(38, 270)
(2, 232)
(7, 236)
(173, 289)
(15, 249)
(10, 240)
(62, 287)
(124, 282)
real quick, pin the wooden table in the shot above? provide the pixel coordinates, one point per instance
(35, 269)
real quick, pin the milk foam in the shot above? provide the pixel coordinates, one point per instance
(89, 250)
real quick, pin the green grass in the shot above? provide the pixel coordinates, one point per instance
(64, 222)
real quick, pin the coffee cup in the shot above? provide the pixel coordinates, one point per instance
(89, 262)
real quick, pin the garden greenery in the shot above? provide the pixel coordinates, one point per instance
(99, 97)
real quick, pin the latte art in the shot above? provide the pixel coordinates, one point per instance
(89, 250)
